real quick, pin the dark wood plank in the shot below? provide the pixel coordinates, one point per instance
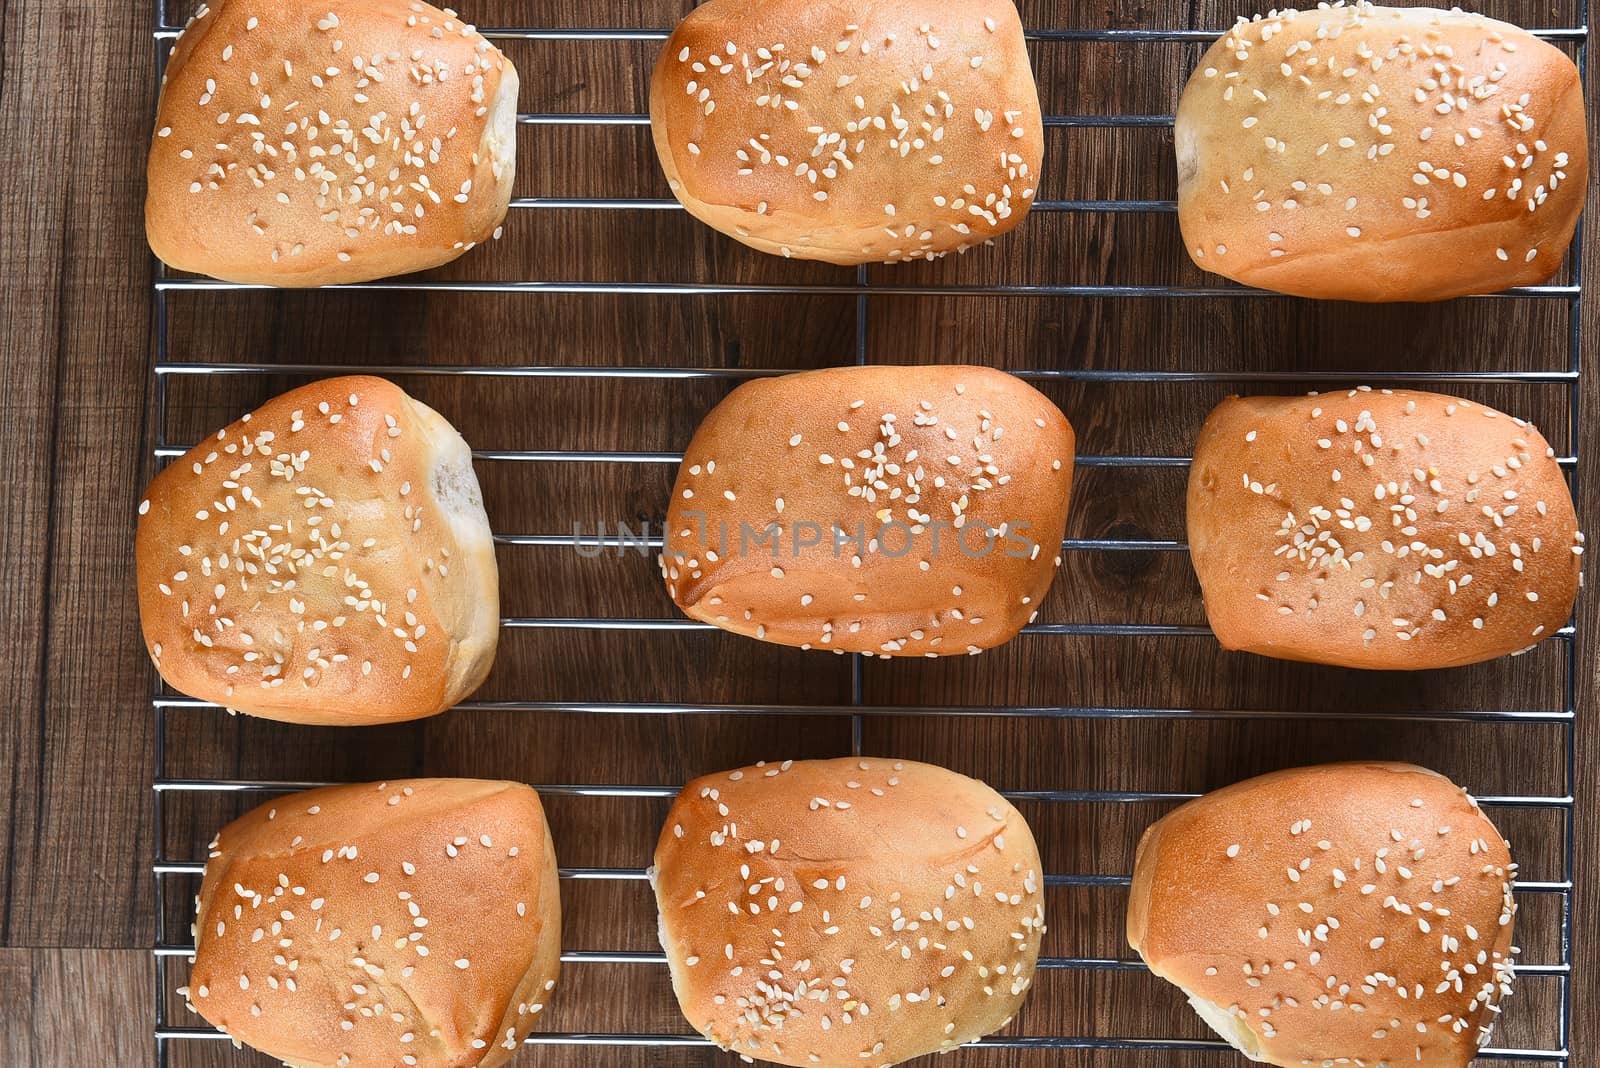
(29, 365)
(16, 984)
(75, 360)
(65, 1006)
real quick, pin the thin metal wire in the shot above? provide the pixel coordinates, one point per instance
(167, 31)
(654, 541)
(596, 118)
(168, 369)
(1166, 1045)
(1065, 374)
(1098, 207)
(1076, 630)
(551, 456)
(857, 660)
(641, 792)
(664, 708)
(615, 956)
(1569, 820)
(737, 289)
(158, 821)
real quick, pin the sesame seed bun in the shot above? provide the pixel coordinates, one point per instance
(405, 923)
(847, 913)
(313, 143)
(914, 467)
(1344, 914)
(1367, 153)
(1380, 529)
(850, 132)
(326, 559)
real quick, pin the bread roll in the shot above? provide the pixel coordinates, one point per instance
(308, 144)
(1380, 529)
(326, 559)
(1352, 914)
(1368, 153)
(850, 132)
(903, 511)
(847, 913)
(403, 923)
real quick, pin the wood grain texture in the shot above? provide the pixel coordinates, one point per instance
(75, 364)
(55, 1001)
(77, 732)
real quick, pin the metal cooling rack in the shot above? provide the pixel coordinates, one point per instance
(167, 869)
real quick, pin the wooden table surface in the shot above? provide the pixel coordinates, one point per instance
(77, 901)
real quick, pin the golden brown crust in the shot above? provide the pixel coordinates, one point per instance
(355, 926)
(1381, 529)
(324, 560)
(946, 453)
(1371, 153)
(307, 144)
(850, 132)
(915, 894)
(1347, 914)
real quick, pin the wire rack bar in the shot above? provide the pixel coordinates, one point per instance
(617, 541)
(573, 1038)
(196, 868)
(1075, 630)
(662, 708)
(1099, 207)
(167, 452)
(1118, 797)
(618, 118)
(1049, 964)
(1066, 374)
(1569, 823)
(736, 289)
(643, 957)
(1024, 1042)
(165, 32)
(1109, 630)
